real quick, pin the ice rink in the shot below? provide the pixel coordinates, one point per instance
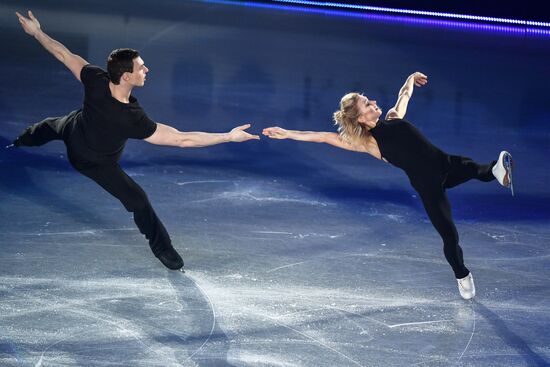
(297, 254)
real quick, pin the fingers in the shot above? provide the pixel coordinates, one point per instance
(419, 75)
(270, 132)
(420, 79)
(243, 127)
(250, 136)
(31, 15)
(20, 17)
(242, 135)
(274, 133)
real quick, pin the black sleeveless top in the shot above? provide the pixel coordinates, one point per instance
(404, 146)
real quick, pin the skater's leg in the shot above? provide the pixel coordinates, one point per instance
(463, 169)
(42, 132)
(115, 181)
(438, 209)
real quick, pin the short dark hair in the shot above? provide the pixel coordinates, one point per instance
(120, 61)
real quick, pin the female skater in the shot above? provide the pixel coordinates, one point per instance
(430, 170)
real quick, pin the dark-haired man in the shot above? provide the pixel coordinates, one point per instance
(96, 134)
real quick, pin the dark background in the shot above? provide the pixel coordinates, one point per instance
(524, 10)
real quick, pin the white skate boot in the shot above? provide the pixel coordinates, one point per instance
(466, 287)
(502, 170)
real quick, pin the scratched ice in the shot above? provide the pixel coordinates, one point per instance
(296, 254)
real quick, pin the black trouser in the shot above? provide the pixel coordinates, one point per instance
(438, 208)
(109, 175)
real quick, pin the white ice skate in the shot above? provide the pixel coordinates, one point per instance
(466, 287)
(502, 170)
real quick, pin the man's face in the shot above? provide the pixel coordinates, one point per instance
(137, 77)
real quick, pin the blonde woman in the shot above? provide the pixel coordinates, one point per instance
(430, 170)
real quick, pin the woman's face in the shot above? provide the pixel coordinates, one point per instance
(369, 112)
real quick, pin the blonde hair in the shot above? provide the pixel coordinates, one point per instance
(346, 117)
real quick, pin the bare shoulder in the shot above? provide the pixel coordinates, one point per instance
(369, 145)
(332, 138)
(336, 140)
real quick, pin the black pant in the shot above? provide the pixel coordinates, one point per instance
(438, 208)
(108, 175)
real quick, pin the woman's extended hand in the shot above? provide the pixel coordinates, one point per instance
(276, 132)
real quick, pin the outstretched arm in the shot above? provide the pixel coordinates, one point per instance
(312, 136)
(405, 93)
(167, 135)
(73, 62)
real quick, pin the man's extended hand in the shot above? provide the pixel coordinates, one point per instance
(30, 25)
(238, 134)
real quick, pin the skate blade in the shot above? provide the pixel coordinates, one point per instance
(181, 270)
(509, 165)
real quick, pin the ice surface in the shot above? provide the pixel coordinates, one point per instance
(296, 254)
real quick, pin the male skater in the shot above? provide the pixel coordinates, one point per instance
(95, 135)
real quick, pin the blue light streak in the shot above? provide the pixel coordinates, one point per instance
(500, 25)
(416, 12)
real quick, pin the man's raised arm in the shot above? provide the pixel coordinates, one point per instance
(73, 62)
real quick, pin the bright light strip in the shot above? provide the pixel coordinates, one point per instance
(518, 27)
(416, 12)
